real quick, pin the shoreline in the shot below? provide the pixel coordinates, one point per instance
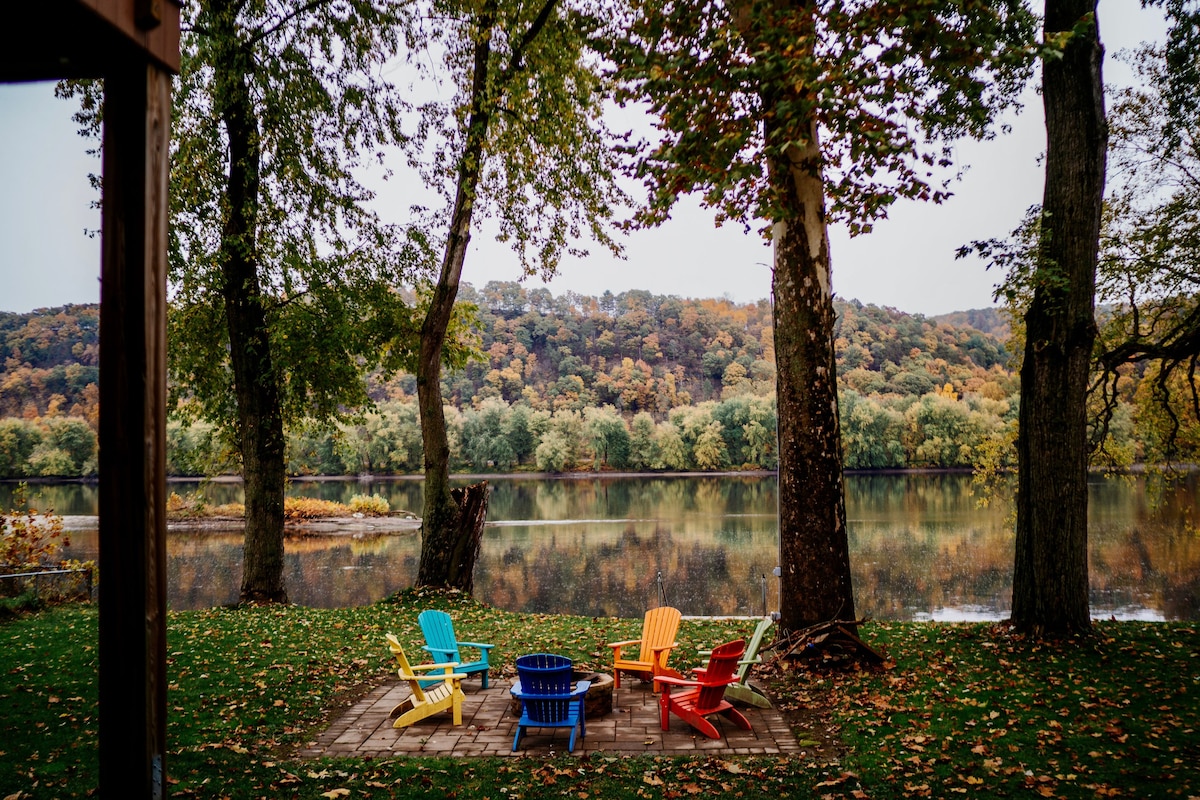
(368, 479)
(325, 526)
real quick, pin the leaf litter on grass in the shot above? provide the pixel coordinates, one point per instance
(958, 709)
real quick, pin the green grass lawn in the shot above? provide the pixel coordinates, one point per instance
(958, 710)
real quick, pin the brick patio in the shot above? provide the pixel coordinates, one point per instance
(488, 728)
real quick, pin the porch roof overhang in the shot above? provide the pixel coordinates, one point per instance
(55, 39)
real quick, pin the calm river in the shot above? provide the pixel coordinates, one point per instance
(921, 547)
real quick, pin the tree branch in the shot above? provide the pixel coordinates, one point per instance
(517, 62)
(285, 19)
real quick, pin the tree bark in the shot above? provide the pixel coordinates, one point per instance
(256, 389)
(1050, 575)
(814, 548)
(442, 517)
(458, 549)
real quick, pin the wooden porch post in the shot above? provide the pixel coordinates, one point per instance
(133, 686)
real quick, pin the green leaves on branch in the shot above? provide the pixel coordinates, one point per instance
(884, 82)
(305, 78)
(546, 165)
(1149, 272)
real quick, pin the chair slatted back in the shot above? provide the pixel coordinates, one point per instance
(545, 674)
(658, 629)
(717, 675)
(438, 628)
(547, 710)
(406, 670)
(752, 649)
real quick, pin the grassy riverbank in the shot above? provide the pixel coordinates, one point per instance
(963, 709)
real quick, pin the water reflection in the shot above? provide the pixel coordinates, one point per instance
(920, 547)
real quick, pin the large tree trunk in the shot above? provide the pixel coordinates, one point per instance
(1050, 576)
(452, 555)
(260, 419)
(449, 544)
(814, 549)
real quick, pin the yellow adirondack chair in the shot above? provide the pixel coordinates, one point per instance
(658, 639)
(448, 694)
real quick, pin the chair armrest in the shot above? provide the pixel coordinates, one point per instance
(478, 646)
(437, 649)
(659, 654)
(581, 688)
(624, 644)
(440, 676)
(755, 660)
(677, 681)
(427, 667)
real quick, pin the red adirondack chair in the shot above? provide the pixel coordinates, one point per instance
(706, 694)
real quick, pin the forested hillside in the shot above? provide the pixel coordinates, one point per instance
(51, 360)
(628, 381)
(642, 352)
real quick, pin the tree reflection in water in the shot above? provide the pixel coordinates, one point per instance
(921, 547)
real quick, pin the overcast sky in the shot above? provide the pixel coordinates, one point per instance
(47, 259)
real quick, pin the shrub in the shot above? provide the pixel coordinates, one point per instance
(29, 540)
(311, 508)
(193, 504)
(25, 602)
(372, 505)
(30, 543)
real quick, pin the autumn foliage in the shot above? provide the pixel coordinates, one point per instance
(630, 381)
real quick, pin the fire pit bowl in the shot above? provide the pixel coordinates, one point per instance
(596, 703)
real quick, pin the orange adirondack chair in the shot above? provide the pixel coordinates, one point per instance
(706, 694)
(658, 639)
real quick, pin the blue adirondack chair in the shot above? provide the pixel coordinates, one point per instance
(548, 700)
(438, 629)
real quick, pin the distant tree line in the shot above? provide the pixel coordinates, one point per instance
(633, 381)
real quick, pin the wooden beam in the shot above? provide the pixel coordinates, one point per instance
(133, 429)
(52, 39)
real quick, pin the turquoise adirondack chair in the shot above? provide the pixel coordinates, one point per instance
(742, 691)
(442, 645)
